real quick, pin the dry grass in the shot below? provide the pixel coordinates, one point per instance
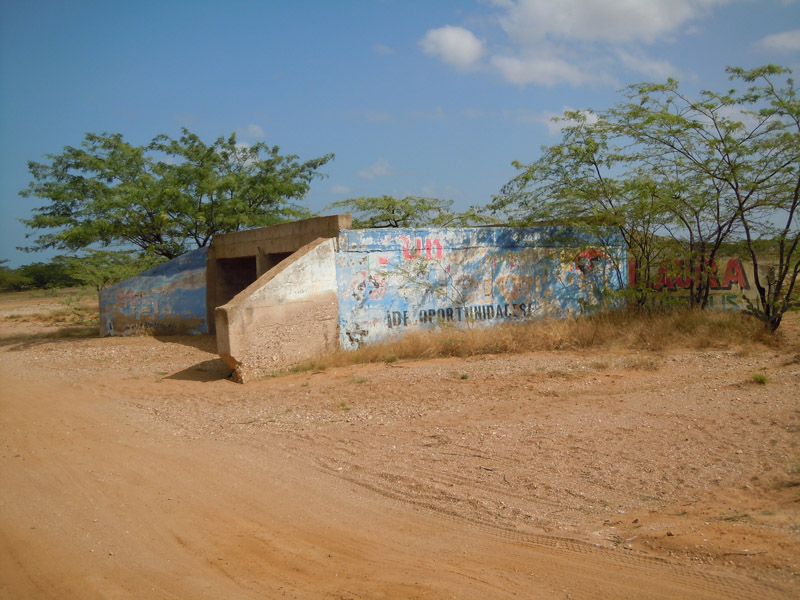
(72, 306)
(655, 332)
(26, 297)
(77, 315)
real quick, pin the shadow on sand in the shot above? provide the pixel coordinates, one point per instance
(209, 370)
(206, 371)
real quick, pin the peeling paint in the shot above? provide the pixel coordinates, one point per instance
(391, 281)
(169, 298)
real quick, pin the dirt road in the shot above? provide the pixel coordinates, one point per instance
(131, 468)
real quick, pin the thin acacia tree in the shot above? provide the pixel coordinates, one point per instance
(732, 163)
(719, 168)
(589, 180)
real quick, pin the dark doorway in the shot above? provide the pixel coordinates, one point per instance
(270, 260)
(233, 275)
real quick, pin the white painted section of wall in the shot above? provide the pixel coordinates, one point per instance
(288, 315)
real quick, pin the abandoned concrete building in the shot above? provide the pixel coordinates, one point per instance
(276, 296)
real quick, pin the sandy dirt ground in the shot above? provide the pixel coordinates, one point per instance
(132, 468)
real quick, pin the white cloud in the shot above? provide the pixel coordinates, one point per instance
(554, 122)
(574, 42)
(540, 69)
(341, 190)
(784, 42)
(616, 21)
(454, 45)
(380, 168)
(588, 117)
(242, 153)
(252, 131)
(653, 69)
(546, 118)
(741, 114)
(383, 49)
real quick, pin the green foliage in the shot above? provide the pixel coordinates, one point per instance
(96, 268)
(730, 164)
(411, 211)
(771, 189)
(55, 274)
(102, 268)
(680, 177)
(587, 180)
(12, 279)
(110, 192)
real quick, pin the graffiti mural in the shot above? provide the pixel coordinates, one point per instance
(169, 298)
(729, 282)
(392, 280)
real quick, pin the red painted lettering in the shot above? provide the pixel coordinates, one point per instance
(438, 245)
(408, 254)
(411, 254)
(663, 280)
(711, 270)
(734, 273)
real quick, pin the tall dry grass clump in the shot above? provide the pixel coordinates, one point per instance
(617, 330)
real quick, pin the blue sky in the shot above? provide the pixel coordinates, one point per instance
(432, 98)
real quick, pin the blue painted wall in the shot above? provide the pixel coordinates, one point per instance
(393, 280)
(169, 298)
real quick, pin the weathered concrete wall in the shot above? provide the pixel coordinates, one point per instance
(237, 259)
(284, 237)
(390, 281)
(288, 315)
(181, 295)
(169, 298)
(731, 280)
